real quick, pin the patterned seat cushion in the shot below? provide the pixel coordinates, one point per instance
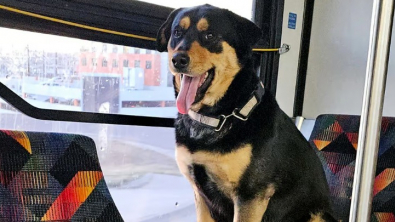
(336, 139)
(52, 177)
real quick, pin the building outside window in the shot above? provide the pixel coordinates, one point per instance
(114, 63)
(148, 64)
(115, 49)
(137, 64)
(125, 63)
(94, 61)
(83, 61)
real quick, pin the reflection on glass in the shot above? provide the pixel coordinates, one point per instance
(54, 72)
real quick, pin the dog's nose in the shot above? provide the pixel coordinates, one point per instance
(180, 60)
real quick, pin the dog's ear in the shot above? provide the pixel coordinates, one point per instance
(164, 32)
(247, 30)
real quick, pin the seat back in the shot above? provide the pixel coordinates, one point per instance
(52, 177)
(335, 137)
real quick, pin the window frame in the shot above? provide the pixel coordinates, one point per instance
(303, 58)
(85, 117)
(268, 15)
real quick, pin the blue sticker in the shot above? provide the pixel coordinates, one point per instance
(292, 20)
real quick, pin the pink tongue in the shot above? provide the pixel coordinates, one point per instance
(187, 94)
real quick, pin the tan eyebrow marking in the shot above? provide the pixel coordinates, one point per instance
(202, 25)
(185, 22)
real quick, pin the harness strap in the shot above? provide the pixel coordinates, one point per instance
(241, 114)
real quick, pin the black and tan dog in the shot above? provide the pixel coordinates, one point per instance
(244, 157)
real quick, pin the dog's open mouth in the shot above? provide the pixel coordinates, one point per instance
(193, 89)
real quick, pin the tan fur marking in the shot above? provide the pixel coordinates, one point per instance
(225, 169)
(184, 159)
(316, 218)
(177, 77)
(253, 210)
(185, 22)
(202, 25)
(201, 59)
(202, 211)
(226, 67)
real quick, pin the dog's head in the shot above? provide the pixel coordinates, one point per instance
(207, 46)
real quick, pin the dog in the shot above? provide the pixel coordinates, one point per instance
(244, 157)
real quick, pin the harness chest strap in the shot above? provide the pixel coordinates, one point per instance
(241, 114)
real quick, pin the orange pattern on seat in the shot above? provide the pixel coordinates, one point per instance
(76, 192)
(21, 138)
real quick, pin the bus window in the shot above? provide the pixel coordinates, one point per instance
(76, 76)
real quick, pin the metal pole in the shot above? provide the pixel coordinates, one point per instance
(372, 109)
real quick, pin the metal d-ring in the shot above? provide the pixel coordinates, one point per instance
(222, 121)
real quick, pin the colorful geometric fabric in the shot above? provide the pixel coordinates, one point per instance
(336, 139)
(52, 177)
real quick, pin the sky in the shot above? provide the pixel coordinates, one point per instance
(17, 39)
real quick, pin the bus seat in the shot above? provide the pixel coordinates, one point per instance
(52, 177)
(336, 138)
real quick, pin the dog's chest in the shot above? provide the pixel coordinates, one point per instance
(225, 170)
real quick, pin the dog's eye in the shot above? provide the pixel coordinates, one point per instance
(177, 33)
(209, 36)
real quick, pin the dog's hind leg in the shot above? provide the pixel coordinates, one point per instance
(251, 211)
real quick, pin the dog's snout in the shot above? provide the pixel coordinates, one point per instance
(180, 60)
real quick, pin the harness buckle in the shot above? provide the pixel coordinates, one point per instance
(222, 120)
(239, 116)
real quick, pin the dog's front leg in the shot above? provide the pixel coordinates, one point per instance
(252, 210)
(202, 211)
(184, 161)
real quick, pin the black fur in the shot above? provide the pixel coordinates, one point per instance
(280, 155)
